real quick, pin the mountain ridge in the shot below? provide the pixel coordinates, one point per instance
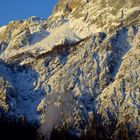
(78, 71)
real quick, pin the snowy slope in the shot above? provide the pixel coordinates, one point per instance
(78, 71)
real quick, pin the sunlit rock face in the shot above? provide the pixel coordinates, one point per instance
(77, 73)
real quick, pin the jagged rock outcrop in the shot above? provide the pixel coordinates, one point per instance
(78, 71)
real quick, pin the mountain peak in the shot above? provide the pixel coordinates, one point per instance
(77, 71)
(103, 15)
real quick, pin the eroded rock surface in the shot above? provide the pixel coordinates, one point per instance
(80, 69)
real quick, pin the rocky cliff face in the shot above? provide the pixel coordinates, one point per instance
(78, 71)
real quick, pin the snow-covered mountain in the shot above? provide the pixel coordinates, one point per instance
(78, 71)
